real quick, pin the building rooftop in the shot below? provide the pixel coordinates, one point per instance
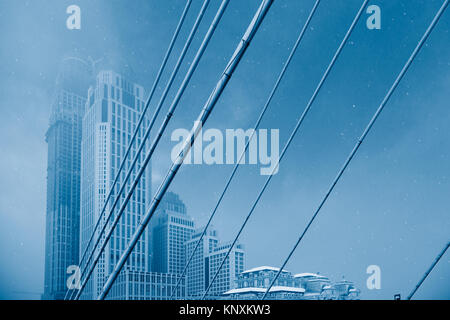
(262, 290)
(263, 268)
(308, 274)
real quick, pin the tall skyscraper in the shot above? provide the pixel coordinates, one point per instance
(63, 175)
(171, 228)
(112, 110)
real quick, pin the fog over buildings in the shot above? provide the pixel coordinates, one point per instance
(388, 210)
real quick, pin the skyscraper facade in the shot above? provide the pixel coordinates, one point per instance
(136, 285)
(230, 271)
(171, 228)
(197, 273)
(63, 175)
(113, 108)
(206, 261)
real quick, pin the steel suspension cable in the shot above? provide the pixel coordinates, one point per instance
(299, 122)
(256, 126)
(169, 114)
(206, 111)
(140, 120)
(363, 136)
(428, 271)
(141, 146)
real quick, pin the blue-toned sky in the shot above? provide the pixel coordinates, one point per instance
(391, 207)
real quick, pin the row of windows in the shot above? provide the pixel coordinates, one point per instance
(181, 221)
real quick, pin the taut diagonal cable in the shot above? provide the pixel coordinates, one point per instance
(428, 271)
(363, 136)
(133, 138)
(144, 139)
(299, 122)
(206, 111)
(166, 120)
(256, 126)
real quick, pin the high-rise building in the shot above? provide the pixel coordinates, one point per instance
(113, 108)
(170, 229)
(197, 272)
(231, 268)
(63, 175)
(206, 261)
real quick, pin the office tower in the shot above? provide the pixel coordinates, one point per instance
(206, 261)
(63, 175)
(230, 271)
(197, 275)
(170, 229)
(113, 108)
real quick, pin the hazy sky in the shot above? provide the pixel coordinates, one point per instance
(391, 207)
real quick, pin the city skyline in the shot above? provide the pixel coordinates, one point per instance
(390, 208)
(106, 118)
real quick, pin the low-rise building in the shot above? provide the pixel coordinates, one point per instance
(137, 285)
(253, 283)
(276, 293)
